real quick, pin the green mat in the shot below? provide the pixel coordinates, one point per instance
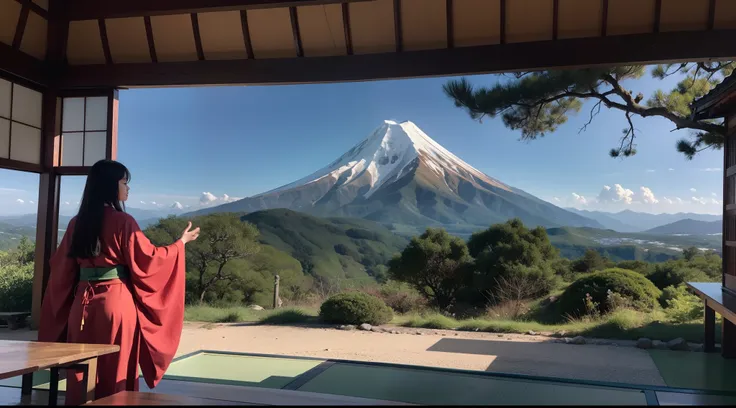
(434, 387)
(267, 372)
(704, 371)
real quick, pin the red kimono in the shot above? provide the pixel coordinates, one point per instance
(143, 314)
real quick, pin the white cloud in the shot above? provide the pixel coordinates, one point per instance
(679, 200)
(650, 170)
(31, 202)
(143, 202)
(693, 190)
(712, 169)
(153, 202)
(648, 196)
(67, 203)
(616, 194)
(700, 200)
(714, 201)
(668, 200)
(714, 194)
(19, 201)
(670, 169)
(580, 199)
(209, 199)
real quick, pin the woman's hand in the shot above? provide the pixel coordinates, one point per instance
(189, 236)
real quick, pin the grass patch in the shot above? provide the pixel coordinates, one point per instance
(622, 325)
(288, 316)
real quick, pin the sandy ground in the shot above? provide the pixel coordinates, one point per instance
(520, 354)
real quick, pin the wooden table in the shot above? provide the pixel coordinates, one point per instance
(716, 300)
(26, 357)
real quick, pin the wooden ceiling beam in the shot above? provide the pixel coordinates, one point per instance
(565, 53)
(22, 65)
(94, 9)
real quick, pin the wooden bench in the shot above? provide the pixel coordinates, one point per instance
(15, 320)
(717, 300)
(150, 398)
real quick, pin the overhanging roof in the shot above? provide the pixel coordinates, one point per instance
(184, 42)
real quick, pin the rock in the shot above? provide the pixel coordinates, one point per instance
(418, 333)
(365, 326)
(659, 345)
(394, 332)
(378, 329)
(347, 327)
(678, 344)
(255, 307)
(456, 334)
(499, 335)
(327, 349)
(644, 343)
(697, 348)
(531, 333)
(577, 340)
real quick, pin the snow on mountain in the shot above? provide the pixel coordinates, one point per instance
(399, 175)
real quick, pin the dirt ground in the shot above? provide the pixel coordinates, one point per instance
(520, 354)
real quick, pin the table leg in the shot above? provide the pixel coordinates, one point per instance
(728, 339)
(90, 379)
(27, 385)
(54, 386)
(710, 330)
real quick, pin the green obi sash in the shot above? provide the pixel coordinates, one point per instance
(102, 274)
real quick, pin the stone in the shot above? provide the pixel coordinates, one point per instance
(327, 349)
(377, 329)
(418, 333)
(644, 343)
(499, 335)
(577, 340)
(697, 348)
(394, 332)
(365, 326)
(347, 327)
(531, 333)
(678, 344)
(659, 345)
(255, 307)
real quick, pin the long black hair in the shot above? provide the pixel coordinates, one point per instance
(101, 189)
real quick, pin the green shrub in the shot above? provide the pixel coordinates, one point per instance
(16, 288)
(593, 289)
(673, 274)
(399, 296)
(355, 308)
(680, 305)
(286, 316)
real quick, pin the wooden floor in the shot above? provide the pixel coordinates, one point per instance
(12, 396)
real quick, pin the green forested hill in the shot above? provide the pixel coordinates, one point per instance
(334, 248)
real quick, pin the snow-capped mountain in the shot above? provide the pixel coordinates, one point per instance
(400, 175)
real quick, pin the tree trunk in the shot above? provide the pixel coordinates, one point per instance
(201, 295)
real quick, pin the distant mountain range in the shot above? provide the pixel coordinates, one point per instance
(400, 176)
(689, 227)
(631, 221)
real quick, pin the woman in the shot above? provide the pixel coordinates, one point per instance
(110, 285)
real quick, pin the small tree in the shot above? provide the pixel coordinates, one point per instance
(509, 249)
(690, 253)
(224, 238)
(538, 103)
(591, 261)
(436, 263)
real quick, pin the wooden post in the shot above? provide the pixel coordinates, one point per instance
(276, 299)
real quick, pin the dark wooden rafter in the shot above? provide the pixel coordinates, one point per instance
(346, 28)
(93, 9)
(246, 34)
(295, 32)
(555, 18)
(111, 148)
(657, 15)
(20, 28)
(449, 12)
(19, 165)
(563, 53)
(712, 15)
(197, 37)
(105, 41)
(149, 37)
(397, 26)
(22, 65)
(604, 19)
(502, 17)
(35, 8)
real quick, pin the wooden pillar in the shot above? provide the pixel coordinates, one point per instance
(728, 330)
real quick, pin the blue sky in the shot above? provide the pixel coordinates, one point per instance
(180, 143)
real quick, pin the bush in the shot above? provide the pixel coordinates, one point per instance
(680, 305)
(16, 288)
(673, 274)
(635, 288)
(355, 308)
(399, 296)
